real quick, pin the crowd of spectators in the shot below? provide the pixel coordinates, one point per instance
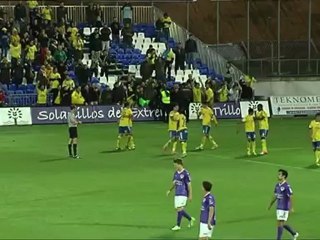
(43, 50)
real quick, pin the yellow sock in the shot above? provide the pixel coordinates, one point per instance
(264, 145)
(184, 147)
(174, 146)
(212, 141)
(253, 145)
(118, 141)
(203, 141)
(131, 142)
(317, 152)
(249, 147)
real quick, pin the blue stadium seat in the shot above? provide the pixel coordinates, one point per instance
(94, 80)
(12, 87)
(19, 92)
(4, 87)
(22, 88)
(9, 92)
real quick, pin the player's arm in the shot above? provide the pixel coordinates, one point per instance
(273, 200)
(190, 191)
(211, 214)
(171, 188)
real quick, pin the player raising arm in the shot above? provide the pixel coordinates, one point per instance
(173, 129)
(263, 121)
(314, 127)
(283, 197)
(183, 192)
(207, 117)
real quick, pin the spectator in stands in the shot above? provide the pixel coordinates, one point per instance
(42, 95)
(159, 29)
(104, 62)
(197, 93)
(95, 46)
(15, 52)
(31, 51)
(191, 50)
(95, 94)
(127, 34)
(83, 73)
(235, 92)
(160, 70)
(115, 30)
(32, 4)
(42, 79)
(250, 81)
(105, 38)
(57, 99)
(209, 94)
(5, 42)
(150, 50)
(180, 58)
(165, 103)
(90, 14)
(166, 25)
(18, 73)
(223, 93)
(5, 71)
(127, 13)
(186, 98)
(44, 44)
(47, 14)
(15, 37)
(62, 13)
(94, 68)
(2, 98)
(60, 56)
(76, 97)
(55, 77)
(78, 45)
(168, 56)
(20, 12)
(118, 93)
(229, 75)
(29, 72)
(67, 89)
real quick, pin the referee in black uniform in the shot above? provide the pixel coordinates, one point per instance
(73, 132)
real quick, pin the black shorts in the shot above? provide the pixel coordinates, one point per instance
(73, 132)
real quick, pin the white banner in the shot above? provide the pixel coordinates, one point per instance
(245, 105)
(295, 105)
(15, 116)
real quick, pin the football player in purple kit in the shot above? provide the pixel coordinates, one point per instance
(283, 196)
(183, 193)
(208, 212)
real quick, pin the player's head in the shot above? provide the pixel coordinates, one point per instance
(178, 164)
(250, 111)
(205, 104)
(318, 117)
(73, 108)
(176, 107)
(206, 186)
(260, 107)
(282, 174)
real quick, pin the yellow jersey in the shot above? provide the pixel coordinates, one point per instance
(315, 128)
(33, 4)
(15, 51)
(223, 94)
(31, 52)
(173, 121)
(182, 122)
(126, 118)
(46, 14)
(264, 123)
(76, 98)
(207, 116)
(42, 96)
(249, 125)
(209, 96)
(166, 22)
(55, 84)
(196, 95)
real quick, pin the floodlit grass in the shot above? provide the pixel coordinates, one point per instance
(108, 194)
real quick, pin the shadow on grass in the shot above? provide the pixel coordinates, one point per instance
(312, 166)
(246, 157)
(56, 159)
(120, 225)
(113, 151)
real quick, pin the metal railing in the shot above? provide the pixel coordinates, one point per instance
(282, 67)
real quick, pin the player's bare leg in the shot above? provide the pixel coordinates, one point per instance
(317, 154)
(214, 144)
(174, 146)
(249, 148)
(130, 143)
(165, 147)
(118, 147)
(203, 142)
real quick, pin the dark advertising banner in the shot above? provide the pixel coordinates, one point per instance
(90, 114)
(228, 110)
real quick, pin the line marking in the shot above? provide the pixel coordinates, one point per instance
(280, 165)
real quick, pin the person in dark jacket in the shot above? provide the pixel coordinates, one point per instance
(83, 73)
(96, 47)
(17, 75)
(20, 12)
(5, 71)
(115, 29)
(105, 38)
(62, 13)
(159, 28)
(127, 33)
(180, 58)
(190, 50)
(4, 43)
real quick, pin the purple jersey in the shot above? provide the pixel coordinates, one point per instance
(207, 202)
(283, 192)
(181, 181)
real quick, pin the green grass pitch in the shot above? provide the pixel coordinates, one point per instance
(122, 195)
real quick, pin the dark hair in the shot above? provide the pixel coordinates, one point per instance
(250, 111)
(260, 105)
(126, 104)
(283, 172)
(178, 161)
(207, 186)
(318, 114)
(72, 107)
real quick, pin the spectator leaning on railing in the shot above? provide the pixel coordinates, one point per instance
(166, 25)
(127, 13)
